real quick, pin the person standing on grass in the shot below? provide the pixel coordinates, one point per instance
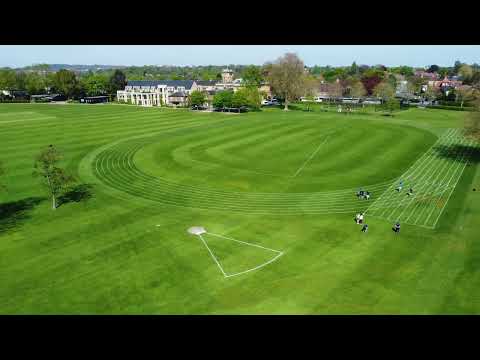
(396, 227)
(410, 192)
(357, 218)
(400, 186)
(360, 218)
(365, 228)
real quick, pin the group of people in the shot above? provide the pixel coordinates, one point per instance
(400, 187)
(362, 194)
(359, 219)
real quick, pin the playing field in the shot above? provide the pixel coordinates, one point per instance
(275, 193)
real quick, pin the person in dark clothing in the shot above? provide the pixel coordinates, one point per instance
(365, 228)
(396, 227)
(410, 192)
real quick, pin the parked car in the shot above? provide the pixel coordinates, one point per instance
(198, 107)
(318, 99)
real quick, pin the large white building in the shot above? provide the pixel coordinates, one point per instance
(156, 92)
(174, 92)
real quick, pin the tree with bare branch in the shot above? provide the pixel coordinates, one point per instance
(287, 77)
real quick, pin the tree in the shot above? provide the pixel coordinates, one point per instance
(7, 80)
(35, 83)
(252, 76)
(384, 90)
(197, 98)
(54, 179)
(371, 79)
(464, 93)
(95, 84)
(391, 105)
(457, 66)
(311, 88)
(357, 90)
(472, 121)
(223, 99)
(65, 82)
(117, 81)
(286, 77)
(432, 93)
(433, 68)
(466, 72)
(353, 71)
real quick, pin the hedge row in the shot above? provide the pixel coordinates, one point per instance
(455, 108)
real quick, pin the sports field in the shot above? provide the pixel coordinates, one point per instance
(275, 193)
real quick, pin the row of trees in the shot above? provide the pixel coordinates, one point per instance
(64, 82)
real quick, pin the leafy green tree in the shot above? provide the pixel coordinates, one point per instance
(466, 72)
(353, 71)
(7, 80)
(433, 68)
(197, 98)
(357, 90)
(223, 99)
(472, 120)
(240, 98)
(95, 84)
(55, 180)
(286, 76)
(464, 93)
(252, 76)
(432, 93)
(117, 81)
(384, 90)
(66, 83)
(391, 105)
(35, 83)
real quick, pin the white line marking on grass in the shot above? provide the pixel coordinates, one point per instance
(213, 256)
(244, 242)
(257, 267)
(448, 198)
(310, 158)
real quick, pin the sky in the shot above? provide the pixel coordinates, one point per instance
(335, 55)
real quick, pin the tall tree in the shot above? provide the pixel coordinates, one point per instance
(35, 83)
(464, 93)
(66, 83)
(357, 90)
(223, 99)
(433, 68)
(197, 98)
(472, 121)
(117, 81)
(7, 80)
(466, 72)
(287, 77)
(252, 76)
(54, 179)
(384, 90)
(95, 84)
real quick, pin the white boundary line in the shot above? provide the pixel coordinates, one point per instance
(243, 242)
(213, 256)
(310, 157)
(448, 198)
(280, 253)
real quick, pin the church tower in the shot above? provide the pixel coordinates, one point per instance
(227, 76)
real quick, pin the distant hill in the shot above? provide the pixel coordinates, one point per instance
(79, 68)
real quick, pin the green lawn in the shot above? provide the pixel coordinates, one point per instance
(275, 191)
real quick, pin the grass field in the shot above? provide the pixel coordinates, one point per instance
(275, 192)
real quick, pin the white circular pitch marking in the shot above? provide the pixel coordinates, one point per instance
(197, 230)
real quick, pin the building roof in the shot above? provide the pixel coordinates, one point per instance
(177, 94)
(206, 82)
(174, 83)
